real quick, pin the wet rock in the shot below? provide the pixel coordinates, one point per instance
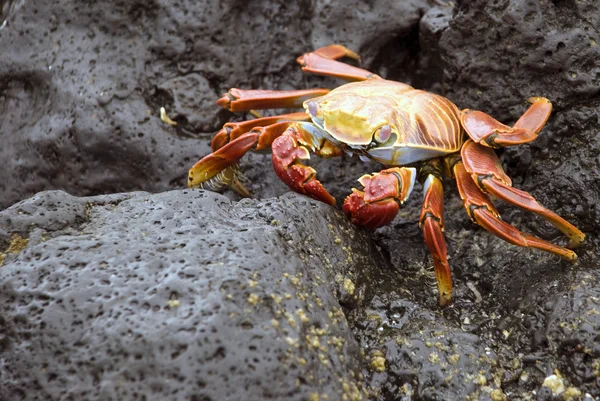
(497, 54)
(90, 124)
(180, 295)
(561, 322)
(424, 356)
(81, 85)
(432, 26)
(512, 50)
(185, 107)
(73, 102)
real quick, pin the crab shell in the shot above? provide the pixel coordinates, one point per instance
(389, 122)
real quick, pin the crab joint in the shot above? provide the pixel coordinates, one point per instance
(397, 183)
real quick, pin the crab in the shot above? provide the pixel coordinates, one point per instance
(416, 134)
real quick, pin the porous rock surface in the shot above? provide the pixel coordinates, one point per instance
(181, 295)
(497, 54)
(88, 122)
(81, 84)
(186, 295)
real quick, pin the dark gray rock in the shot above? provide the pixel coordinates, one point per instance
(185, 294)
(497, 54)
(181, 295)
(90, 125)
(426, 356)
(81, 84)
(560, 321)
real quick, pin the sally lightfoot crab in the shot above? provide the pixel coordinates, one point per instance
(417, 134)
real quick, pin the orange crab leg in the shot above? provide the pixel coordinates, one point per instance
(244, 100)
(333, 52)
(288, 151)
(481, 211)
(323, 62)
(315, 64)
(485, 169)
(218, 168)
(487, 131)
(378, 204)
(209, 170)
(235, 140)
(431, 222)
(295, 138)
(231, 131)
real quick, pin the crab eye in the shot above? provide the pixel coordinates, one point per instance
(383, 134)
(312, 108)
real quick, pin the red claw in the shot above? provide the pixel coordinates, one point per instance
(369, 215)
(380, 202)
(300, 178)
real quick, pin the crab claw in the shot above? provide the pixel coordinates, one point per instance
(379, 203)
(222, 137)
(218, 168)
(369, 215)
(286, 156)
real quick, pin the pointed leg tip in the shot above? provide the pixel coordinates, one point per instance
(575, 241)
(239, 188)
(569, 255)
(445, 299)
(190, 182)
(193, 177)
(224, 101)
(535, 99)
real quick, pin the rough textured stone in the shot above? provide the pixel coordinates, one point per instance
(90, 125)
(497, 54)
(180, 295)
(188, 295)
(426, 356)
(560, 321)
(81, 84)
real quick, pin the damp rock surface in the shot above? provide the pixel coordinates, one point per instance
(81, 85)
(187, 295)
(80, 91)
(180, 295)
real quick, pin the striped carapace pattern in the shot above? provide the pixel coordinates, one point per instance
(353, 112)
(433, 122)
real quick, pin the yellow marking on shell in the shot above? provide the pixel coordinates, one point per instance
(349, 123)
(352, 113)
